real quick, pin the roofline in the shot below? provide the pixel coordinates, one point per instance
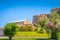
(17, 21)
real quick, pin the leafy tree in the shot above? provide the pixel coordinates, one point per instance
(54, 34)
(58, 25)
(52, 25)
(10, 30)
(43, 21)
(54, 15)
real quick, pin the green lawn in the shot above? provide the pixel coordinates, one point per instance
(28, 39)
(20, 39)
(31, 34)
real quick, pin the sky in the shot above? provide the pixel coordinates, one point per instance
(13, 10)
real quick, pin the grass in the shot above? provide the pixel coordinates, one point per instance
(28, 39)
(4, 38)
(20, 39)
(25, 39)
(31, 34)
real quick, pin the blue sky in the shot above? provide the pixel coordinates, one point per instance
(12, 10)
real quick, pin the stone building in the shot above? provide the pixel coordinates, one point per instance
(55, 9)
(37, 18)
(21, 22)
(1, 32)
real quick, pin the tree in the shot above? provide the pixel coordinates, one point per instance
(52, 25)
(58, 24)
(10, 30)
(54, 34)
(43, 21)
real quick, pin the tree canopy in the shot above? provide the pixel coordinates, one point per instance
(10, 30)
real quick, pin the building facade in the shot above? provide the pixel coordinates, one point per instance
(21, 22)
(55, 10)
(37, 18)
(1, 32)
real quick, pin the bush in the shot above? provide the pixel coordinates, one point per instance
(41, 31)
(26, 28)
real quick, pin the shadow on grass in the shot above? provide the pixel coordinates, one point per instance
(3, 39)
(46, 39)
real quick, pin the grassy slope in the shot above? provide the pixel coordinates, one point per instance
(31, 34)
